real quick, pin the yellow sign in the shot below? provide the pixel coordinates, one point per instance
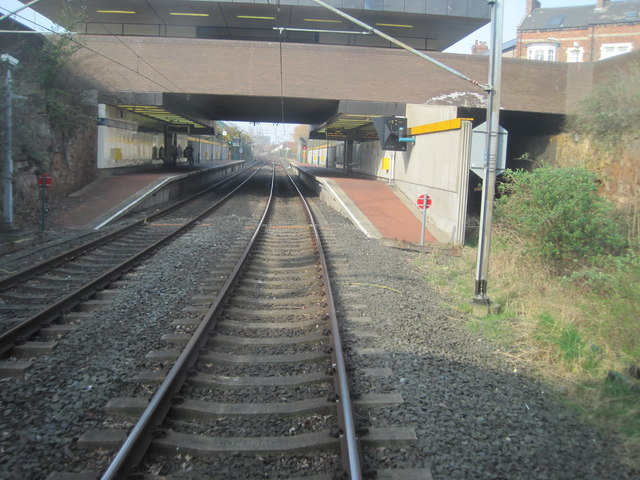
(386, 163)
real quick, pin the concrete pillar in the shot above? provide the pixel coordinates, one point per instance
(348, 160)
(168, 148)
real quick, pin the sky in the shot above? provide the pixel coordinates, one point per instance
(27, 15)
(513, 13)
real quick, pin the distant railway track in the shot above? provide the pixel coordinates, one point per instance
(267, 349)
(42, 298)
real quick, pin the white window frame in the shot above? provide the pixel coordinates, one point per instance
(544, 51)
(575, 54)
(608, 50)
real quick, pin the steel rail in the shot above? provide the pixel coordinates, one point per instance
(53, 262)
(30, 326)
(138, 441)
(349, 439)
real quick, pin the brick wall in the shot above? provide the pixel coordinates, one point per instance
(219, 67)
(589, 39)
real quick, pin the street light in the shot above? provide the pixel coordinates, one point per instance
(7, 179)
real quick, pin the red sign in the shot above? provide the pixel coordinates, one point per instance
(421, 201)
(45, 180)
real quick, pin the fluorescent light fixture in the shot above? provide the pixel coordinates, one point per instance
(321, 20)
(129, 12)
(393, 25)
(255, 17)
(190, 14)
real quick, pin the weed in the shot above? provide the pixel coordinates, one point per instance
(571, 329)
(559, 216)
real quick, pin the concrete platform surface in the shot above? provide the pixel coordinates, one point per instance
(104, 194)
(372, 204)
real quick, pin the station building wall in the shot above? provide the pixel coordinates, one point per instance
(437, 164)
(121, 142)
(126, 139)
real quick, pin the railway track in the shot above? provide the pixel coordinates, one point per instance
(261, 382)
(42, 298)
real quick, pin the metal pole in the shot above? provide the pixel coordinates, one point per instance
(8, 161)
(424, 220)
(491, 151)
(43, 203)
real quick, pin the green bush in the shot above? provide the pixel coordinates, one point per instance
(559, 216)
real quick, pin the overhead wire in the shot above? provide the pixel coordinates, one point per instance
(73, 40)
(139, 57)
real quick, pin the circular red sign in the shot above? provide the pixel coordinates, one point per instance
(421, 201)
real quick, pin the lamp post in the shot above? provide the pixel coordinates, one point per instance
(7, 178)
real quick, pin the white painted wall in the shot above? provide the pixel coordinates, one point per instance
(120, 144)
(437, 164)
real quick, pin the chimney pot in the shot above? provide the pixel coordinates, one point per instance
(532, 5)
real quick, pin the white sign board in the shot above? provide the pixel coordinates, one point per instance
(478, 147)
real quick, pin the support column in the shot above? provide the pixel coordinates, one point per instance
(348, 161)
(168, 149)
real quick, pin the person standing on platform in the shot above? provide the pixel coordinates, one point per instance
(188, 152)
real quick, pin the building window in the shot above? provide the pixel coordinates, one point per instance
(575, 54)
(612, 49)
(542, 51)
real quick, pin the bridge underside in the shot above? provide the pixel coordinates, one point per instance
(325, 86)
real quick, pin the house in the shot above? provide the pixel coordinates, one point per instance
(481, 48)
(579, 34)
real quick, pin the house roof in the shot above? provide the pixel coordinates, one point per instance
(582, 16)
(509, 45)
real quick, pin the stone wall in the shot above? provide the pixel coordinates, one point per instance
(72, 166)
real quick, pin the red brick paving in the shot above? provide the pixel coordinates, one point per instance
(103, 195)
(375, 199)
(384, 209)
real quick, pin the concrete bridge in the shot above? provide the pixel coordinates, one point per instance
(242, 80)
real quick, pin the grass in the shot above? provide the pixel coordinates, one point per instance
(572, 331)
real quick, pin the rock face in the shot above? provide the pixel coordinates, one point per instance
(617, 164)
(72, 165)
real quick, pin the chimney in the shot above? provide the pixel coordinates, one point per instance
(600, 4)
(533, 4)
(480, 48)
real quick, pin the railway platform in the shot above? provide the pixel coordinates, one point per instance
(373, 206)
(114, 194)
(94, 202)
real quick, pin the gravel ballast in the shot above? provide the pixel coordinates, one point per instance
(476, 416)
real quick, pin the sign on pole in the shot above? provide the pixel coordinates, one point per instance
(478, 144)
(423, 202)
